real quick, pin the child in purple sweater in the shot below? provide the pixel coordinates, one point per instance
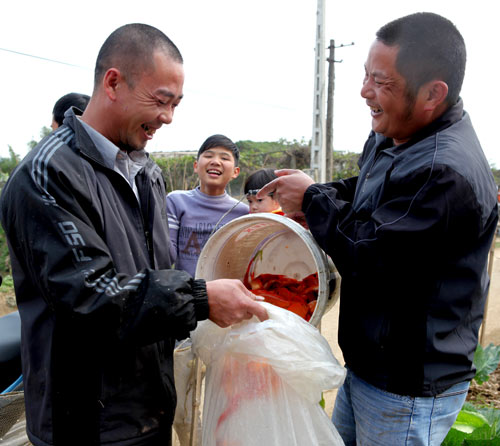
(194, 214)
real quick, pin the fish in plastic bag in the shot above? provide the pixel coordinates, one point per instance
(264, 381)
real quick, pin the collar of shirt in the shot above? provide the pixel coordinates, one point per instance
(126, 164)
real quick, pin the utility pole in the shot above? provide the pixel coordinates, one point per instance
(329, 113)
(318, 134)
(329, 110)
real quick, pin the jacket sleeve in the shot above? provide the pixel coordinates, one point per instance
(54, 236)
(419, 213)
(345, 188)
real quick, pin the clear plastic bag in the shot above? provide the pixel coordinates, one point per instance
(264, 382)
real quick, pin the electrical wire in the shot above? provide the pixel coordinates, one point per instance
(42, 58)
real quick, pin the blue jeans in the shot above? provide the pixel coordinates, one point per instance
(367, 416)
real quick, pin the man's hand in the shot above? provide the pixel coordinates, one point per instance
(288, 189)
(230, 302)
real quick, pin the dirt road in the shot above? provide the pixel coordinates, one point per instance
(491, 324)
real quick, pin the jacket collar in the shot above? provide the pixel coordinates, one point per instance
(86, 146)
(452, 115)
(82, 141)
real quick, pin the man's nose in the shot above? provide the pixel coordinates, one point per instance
(366, 90)
(167, 115)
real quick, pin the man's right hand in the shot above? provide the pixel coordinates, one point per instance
(288, 189)
(230, 302)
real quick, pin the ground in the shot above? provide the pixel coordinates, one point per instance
(488, 393)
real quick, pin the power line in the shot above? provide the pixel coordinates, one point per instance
(43, 58)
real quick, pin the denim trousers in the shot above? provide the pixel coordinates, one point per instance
(365, 415)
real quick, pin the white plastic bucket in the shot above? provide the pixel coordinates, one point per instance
(287, 248)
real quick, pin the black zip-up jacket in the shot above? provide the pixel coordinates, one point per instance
(410, 237)
(100, 308)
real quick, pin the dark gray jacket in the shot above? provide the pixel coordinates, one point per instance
(410, 237)
(100, 308)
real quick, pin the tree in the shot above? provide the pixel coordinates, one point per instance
(280, 154)
(8, 164)
(178, 172)
(345, 165)
(496, 174)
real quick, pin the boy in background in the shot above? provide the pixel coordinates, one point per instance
(253, 184)
(195, 214)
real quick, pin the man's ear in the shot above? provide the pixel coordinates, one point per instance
(236, 172)
(195, 166)
(111, 81)
(437, 91)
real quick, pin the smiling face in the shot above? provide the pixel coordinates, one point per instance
(144, 107)
(394, 114)
(215, 168)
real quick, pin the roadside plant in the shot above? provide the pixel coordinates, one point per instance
(478, 425)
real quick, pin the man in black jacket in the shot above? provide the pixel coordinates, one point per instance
(410, 236)
(85, 218)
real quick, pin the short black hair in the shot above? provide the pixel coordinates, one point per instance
(78, 100)
(220, 141)
(430, 48)
(131, 48)
(258, 179)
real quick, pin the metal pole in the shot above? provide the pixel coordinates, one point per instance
(490, 273)
(329, 113)
(318, 130)
(196, 401)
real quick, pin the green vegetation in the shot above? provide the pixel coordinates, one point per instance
(345, 165)
(496, 174)
(282, 154)
(7, 165)
(43, 133)
(179, 173)
(486, 361)
(4, 255)
(475, 424)
(7, 284)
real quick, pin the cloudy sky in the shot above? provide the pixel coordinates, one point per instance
(249, 64)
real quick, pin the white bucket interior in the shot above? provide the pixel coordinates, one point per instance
(279, 246)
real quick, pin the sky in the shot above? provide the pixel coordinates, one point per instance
(249, 65)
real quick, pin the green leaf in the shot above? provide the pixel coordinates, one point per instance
(454, 438)
(485, 432)
(493, 416)
(322, 403)
(7, 283)
(486, 362)
(492, 442)
(468, 421)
